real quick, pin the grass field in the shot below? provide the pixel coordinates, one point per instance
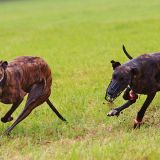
(78, 38)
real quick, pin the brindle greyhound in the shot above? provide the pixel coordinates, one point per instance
(140, 75)
(24, 75)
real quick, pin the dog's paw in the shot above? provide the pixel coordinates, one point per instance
(113, 112)
(6, 119)
(137, 124)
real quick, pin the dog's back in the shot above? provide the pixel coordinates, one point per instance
(145, 61)
(30, 70)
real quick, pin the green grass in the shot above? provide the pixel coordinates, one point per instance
(78, 38)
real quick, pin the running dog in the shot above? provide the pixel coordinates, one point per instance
(24, 75)
(140, 75)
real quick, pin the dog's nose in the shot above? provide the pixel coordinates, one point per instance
(108, 96)
(109, 99)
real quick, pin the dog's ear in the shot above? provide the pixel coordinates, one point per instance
(4, 64)
(115, 64)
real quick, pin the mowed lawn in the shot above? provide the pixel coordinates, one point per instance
(78, 38)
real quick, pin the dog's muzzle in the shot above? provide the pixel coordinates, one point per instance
(113, 91)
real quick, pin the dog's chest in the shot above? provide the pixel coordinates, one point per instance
(11, 94)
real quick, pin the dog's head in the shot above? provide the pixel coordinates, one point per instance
(3, 66)
(121, 78)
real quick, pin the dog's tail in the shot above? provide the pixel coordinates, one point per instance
(126, 53)
(55, 110)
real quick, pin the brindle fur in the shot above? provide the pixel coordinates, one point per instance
(142, 74)
(24, 75)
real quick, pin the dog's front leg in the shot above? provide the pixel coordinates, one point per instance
(116, 111)
(8, 117)
(128, 95)
(140, 114)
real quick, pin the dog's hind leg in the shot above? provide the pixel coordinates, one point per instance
(35, 98)
(7, 117)
(55, 110)
(140, 114)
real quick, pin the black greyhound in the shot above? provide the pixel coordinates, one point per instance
(140, 75)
